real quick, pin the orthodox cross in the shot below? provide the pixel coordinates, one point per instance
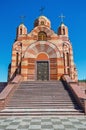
(22, 18)
(41, 10)
(62, 17)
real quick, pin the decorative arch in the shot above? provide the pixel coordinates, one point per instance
(38, 29)
(17, 45)
(67, 44)
(38, 47)
(68, 57)
(42, 51)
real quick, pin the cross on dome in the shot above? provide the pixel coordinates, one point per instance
(41, 10)
(22, 17)
(62, 18)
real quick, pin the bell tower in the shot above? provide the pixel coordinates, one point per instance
(63, 30)
(21, 30)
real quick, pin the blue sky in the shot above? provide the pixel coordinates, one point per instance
(75, 19)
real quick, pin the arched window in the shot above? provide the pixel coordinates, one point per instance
(42, 22)
(42, 36)
(17, 57)
(20, 31)
(67, 54)
(64, 63)
(63, 31)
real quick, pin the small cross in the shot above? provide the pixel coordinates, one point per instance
(41, 10)
(62, 17)
(22, 18)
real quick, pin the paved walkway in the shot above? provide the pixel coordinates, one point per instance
(43, 123)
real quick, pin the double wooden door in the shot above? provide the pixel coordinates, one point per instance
(42, 70)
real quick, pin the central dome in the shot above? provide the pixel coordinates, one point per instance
(43, 17)
(42, 21)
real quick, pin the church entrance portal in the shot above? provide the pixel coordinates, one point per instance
(42, 70)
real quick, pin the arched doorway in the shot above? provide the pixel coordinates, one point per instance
(42, 62)
(42, 53)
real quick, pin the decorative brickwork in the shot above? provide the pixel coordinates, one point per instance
(42, 44)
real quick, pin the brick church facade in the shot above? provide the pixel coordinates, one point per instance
(42, 54)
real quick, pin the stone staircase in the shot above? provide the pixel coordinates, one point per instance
(42, 98)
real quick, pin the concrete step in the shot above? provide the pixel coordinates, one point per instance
(43, 102)
(44, 98)
(39, 112)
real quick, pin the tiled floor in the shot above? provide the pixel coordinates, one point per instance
(43, 123)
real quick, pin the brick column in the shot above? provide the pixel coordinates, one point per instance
(24, 68)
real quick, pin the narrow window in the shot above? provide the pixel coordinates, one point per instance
(17, 57)
(64, 62)
(20, 31)
(63, 31)
(67, 59)
(68, 71)
(42, 36)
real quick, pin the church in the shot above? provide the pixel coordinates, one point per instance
(42, 76)
(42, 54)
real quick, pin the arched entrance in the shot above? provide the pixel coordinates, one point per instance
(42, 62)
